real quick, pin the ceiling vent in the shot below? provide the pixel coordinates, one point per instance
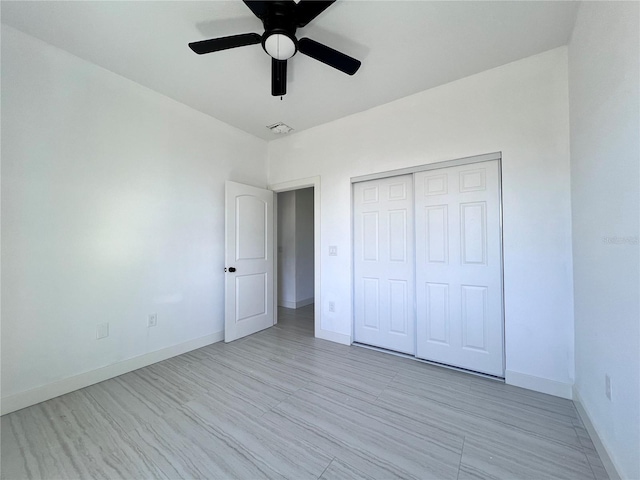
(279, 128)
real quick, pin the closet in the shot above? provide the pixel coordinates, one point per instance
(428, 264)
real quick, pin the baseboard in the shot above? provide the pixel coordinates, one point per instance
(17, 401)
(333, 336)
(294, 305)
(305, 302)
(601, 448)
(539, 384)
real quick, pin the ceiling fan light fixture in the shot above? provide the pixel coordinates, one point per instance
(280, 46)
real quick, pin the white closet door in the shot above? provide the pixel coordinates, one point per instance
(384, 263)
(458, 267)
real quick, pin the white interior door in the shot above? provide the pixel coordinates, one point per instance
(249, 293)
(459, 267)
(383, 263)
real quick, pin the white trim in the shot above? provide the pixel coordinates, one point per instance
(317, 245)
(333, 336)
(601, 448)
(295, 184)
(275, 259)
(539, 384)
(486, 157)
(17, 401)
(298, 304)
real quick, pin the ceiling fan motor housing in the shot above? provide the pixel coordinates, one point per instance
(279, 44)
(279, 39)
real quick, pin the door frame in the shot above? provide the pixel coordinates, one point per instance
(298, 185)
(437, 166)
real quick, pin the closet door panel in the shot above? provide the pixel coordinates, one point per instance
(459, 319)
(384, 260)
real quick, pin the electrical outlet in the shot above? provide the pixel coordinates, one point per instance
(607, 386)
(102, 331)
(152, 320)
(332, 306)
(333, 250)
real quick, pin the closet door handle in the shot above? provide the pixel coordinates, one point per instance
(231, 269)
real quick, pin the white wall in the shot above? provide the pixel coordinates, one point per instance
(287, 249)
(304, 247)
(605, 157)
(112, 208)
(295, 248)
(520, 109)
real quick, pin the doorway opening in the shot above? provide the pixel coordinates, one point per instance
(296, 259)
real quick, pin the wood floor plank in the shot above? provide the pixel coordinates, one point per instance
(339, 470)
(523, 457)
(129, 402)
(264, 371)
(210, 439)
(327, 371)
(69, 437)
(465, 422)
(374, 444)
(495, 408)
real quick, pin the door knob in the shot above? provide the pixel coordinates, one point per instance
(231, 269)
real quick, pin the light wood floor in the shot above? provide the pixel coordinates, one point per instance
(282, 404)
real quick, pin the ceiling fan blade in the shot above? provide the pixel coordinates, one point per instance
(329, 56)
(258, 7)
(278, 77)
(307, 10)
(223, 43)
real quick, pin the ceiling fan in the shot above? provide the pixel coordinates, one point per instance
(281, 18)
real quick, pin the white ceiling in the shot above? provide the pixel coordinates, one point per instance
(405, 47)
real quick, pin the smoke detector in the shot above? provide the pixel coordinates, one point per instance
(279, 128)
